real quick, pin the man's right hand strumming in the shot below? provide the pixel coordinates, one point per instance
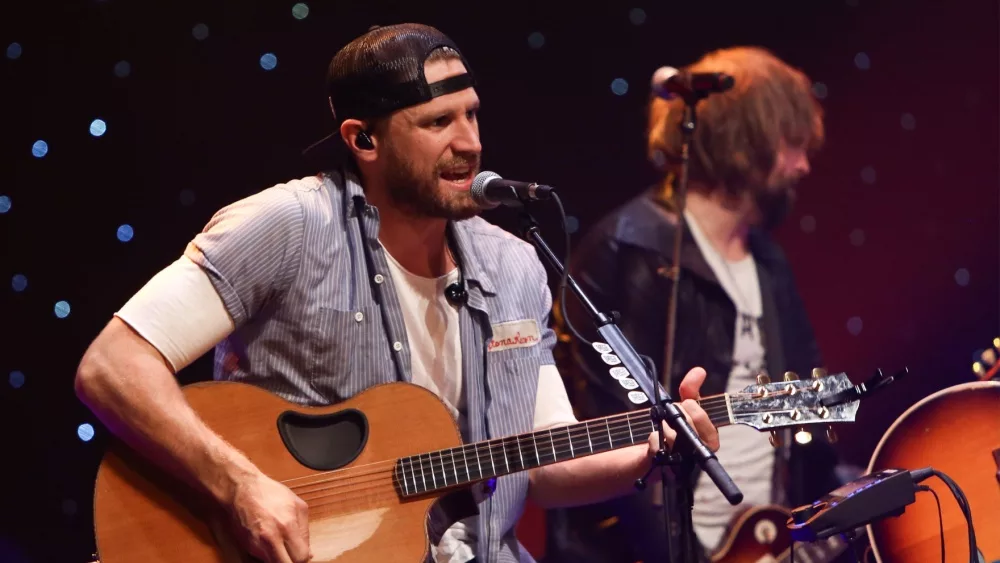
(270, 521)
(132, 389)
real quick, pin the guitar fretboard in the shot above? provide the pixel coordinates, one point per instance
(442, 469)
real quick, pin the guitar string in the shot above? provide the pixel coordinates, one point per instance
(565, 437)
(717, 412)
(619, 433)
(716, 403)
(426, 467)
(389, 491)
(413, 465)
(711, 400)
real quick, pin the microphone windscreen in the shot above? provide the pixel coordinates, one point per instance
(478, 190)
(660, 78)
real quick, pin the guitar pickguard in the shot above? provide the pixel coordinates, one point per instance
(324, 442)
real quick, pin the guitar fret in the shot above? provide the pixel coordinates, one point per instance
(430, 459)
(503, 445)
(628, 419)
(454, 469)
(569, 437)
(519, 453)
(422, 477)
(611, 441)
(492, 463)
(589, 442)
(479, 463)
(552, 441)
(402, 471)
(538, 458)
(468, 477)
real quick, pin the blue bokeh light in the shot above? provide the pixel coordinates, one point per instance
(268, 61)
(39, 149)
(862, 61)
(820, 90)
(85, 431)
(16, 379)
(19, 283)
(962, 277)
(123, 69)
(4, 204)
(125, 232)
(62, 309)
(200, 32)
(14, 51)
(300, 11)
(854, 325)
(619, 86)
(637, 16)
(536, 40)
(98, 127)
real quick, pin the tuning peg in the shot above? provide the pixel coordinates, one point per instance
(831, 435)
(763, 379)
(791, 376)
(775, 439)
(818, 373)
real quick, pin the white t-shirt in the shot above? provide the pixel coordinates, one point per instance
(180, 314)
(745, 452)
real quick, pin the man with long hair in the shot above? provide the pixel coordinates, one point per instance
(739, 313)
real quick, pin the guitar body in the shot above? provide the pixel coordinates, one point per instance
(143, 514)
(762, 531)
(956, 431)
(757, 532)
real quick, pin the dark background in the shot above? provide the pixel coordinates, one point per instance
(198, 123)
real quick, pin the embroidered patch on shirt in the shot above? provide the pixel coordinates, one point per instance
(514, 334)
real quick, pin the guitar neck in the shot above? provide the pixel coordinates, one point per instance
(443, 469)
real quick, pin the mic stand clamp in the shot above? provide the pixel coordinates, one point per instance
(688, 447)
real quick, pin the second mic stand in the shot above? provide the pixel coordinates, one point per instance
(689, 449)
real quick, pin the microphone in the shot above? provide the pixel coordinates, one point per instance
(490, 190)
(668, 83)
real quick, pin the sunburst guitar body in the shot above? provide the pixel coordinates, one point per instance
(956, 431)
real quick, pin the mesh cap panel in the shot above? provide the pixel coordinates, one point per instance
(383, 71)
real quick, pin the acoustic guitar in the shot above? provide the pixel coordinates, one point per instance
(762, 531)
(370, 468)
(956, 431)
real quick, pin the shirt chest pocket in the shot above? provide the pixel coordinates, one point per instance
(348, 347)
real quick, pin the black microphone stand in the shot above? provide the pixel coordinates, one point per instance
(688, 447)
(680, 492)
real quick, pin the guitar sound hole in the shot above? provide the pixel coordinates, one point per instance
(324, 442)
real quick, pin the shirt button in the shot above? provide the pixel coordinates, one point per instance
(359, 316)
(379, 278)
(397, 346)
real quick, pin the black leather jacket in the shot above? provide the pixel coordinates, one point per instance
(623, 265)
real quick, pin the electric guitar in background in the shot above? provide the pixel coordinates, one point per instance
(370, 468)
(957, 431)
(761, 533)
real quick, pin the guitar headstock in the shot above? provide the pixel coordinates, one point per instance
(794, 402)
(987, 367)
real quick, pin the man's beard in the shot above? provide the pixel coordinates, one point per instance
(775, 204)
(418, 194)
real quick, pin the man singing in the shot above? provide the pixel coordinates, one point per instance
(739, 313)
(322, 287)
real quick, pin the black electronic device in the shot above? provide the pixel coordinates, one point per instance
(864, 500)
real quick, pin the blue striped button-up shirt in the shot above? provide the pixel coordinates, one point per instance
(305, 280)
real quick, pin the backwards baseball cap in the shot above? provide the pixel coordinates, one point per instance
(382, 71)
